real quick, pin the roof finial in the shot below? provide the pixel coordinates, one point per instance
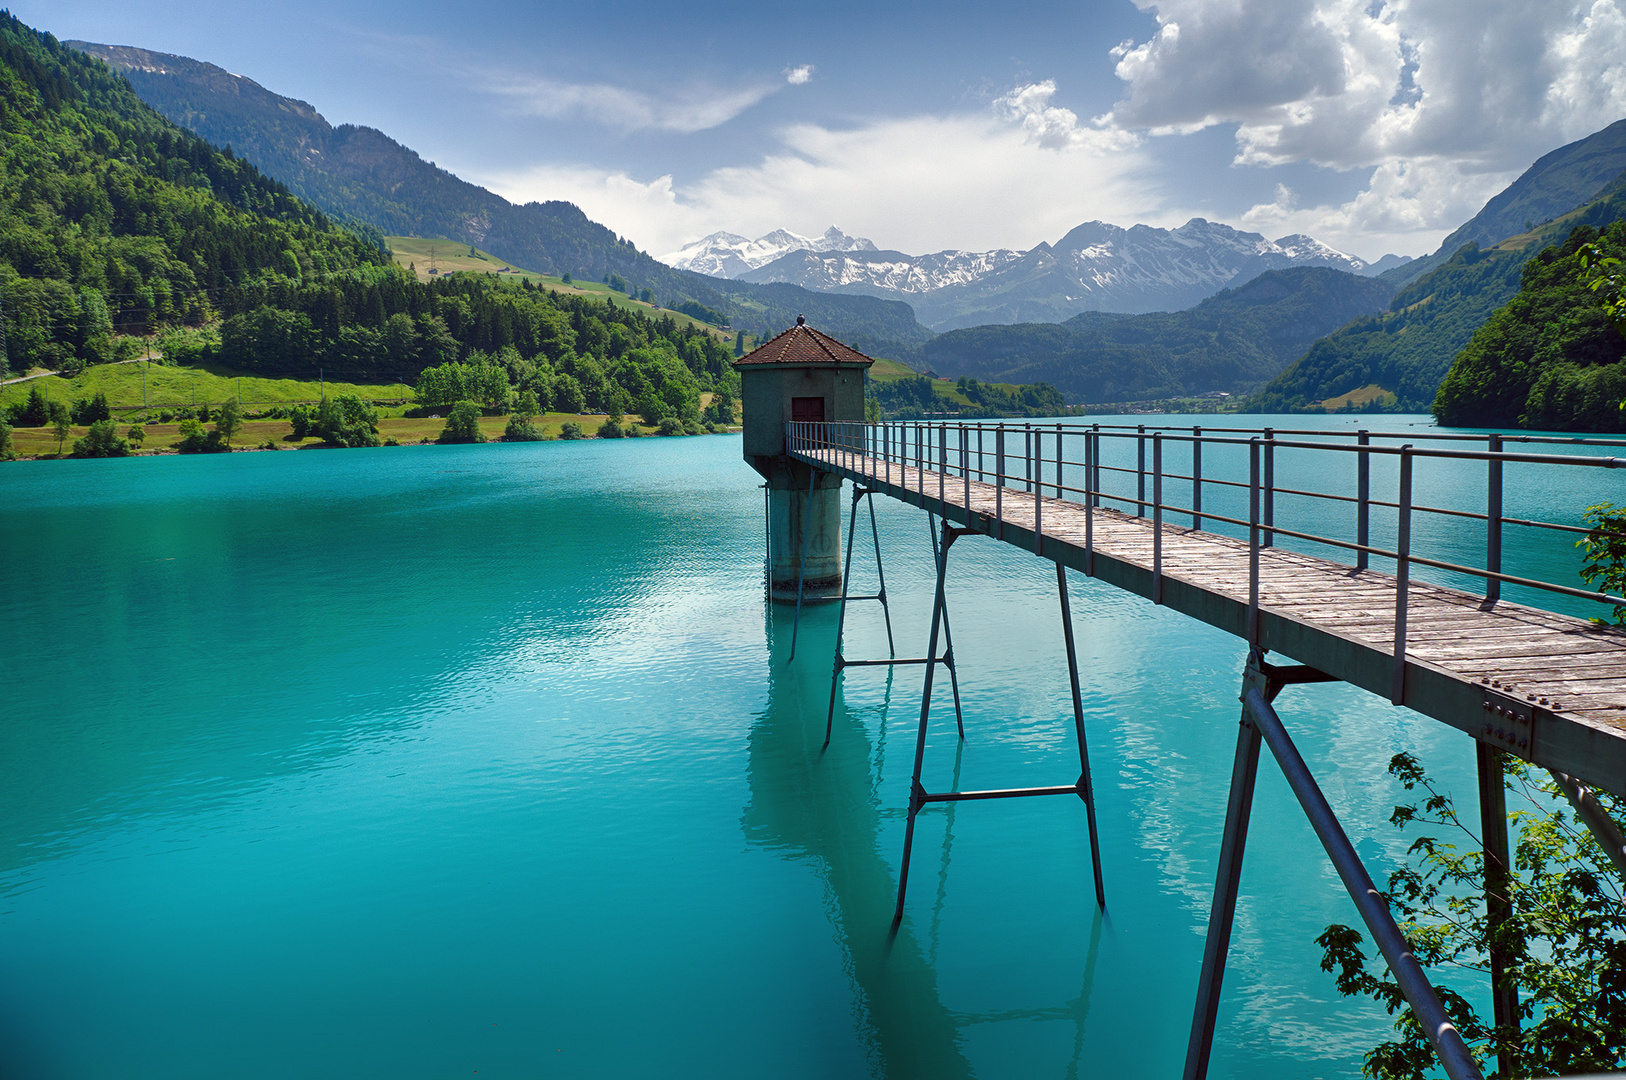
(800, 321)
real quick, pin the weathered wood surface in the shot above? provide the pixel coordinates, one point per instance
(1464, 656)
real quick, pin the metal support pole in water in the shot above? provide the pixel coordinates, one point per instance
(880, 577)
(1260, 723)
(1222, 912)
(1380, 923)
(1498, 887)
(941, 554)
(801, 569)
(1605, 830)
(1086, 789)
(841, 612)
(916, 792)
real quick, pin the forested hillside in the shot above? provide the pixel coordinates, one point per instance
(1234, 340)
(1408, 349)
(360, 174)
(1550, 358)
(113, 220)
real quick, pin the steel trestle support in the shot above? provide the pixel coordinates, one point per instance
(920, 797)
(1259, 723)
(841, 618)
(841, 662)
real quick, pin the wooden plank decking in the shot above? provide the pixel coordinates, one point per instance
(1549, 688)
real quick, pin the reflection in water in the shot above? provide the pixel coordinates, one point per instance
(824, 808)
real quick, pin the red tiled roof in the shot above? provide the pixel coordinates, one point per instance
(802, 345)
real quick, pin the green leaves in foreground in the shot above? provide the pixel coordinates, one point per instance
(1604, 551)
(1565, 944)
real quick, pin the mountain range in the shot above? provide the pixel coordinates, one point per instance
(359, 174)
(1234, 340)
(1095, 267)
(730, 255)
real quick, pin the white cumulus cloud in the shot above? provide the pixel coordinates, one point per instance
(1445, 101)
(918, 184)
(1052, 126)
(800, 74)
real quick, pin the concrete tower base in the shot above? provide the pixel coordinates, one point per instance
(791, 509)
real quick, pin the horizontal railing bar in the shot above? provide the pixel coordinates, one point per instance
(1132, 430)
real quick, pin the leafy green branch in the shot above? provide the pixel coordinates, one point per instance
(1604, 550)
(1564, 945)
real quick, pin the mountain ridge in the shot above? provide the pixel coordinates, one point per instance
(361, 174)
(1238, 338)
(1096, 266)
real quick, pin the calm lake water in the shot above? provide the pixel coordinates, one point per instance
(436, 761)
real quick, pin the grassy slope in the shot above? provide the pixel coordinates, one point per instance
(42, 442)
(450, 256)
(177, 386)
(887, 371)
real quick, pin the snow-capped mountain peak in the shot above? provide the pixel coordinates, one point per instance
(1097, 266)
(728, 255)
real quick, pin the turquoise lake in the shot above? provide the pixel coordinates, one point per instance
(444, 761)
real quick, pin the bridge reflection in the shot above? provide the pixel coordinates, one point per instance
(824, 808)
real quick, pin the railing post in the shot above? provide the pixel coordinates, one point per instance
(1363, 497)
(1157, 517)
(942, 469)
(1140, 470)
(1493, 521)
(1027, 454)
(1269, 492)
(1397, 692)
(1059, 459)
(1196, 479)
(1253, 541)
(999, 480)
(1090, 451)
(1037, 445)
(965, 471)
(920, 462)
(1093, 481)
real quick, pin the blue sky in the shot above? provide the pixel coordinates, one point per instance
(1374, 125)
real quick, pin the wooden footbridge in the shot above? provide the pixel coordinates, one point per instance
(1544, 687)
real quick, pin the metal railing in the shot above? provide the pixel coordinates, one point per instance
(1067, 462)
